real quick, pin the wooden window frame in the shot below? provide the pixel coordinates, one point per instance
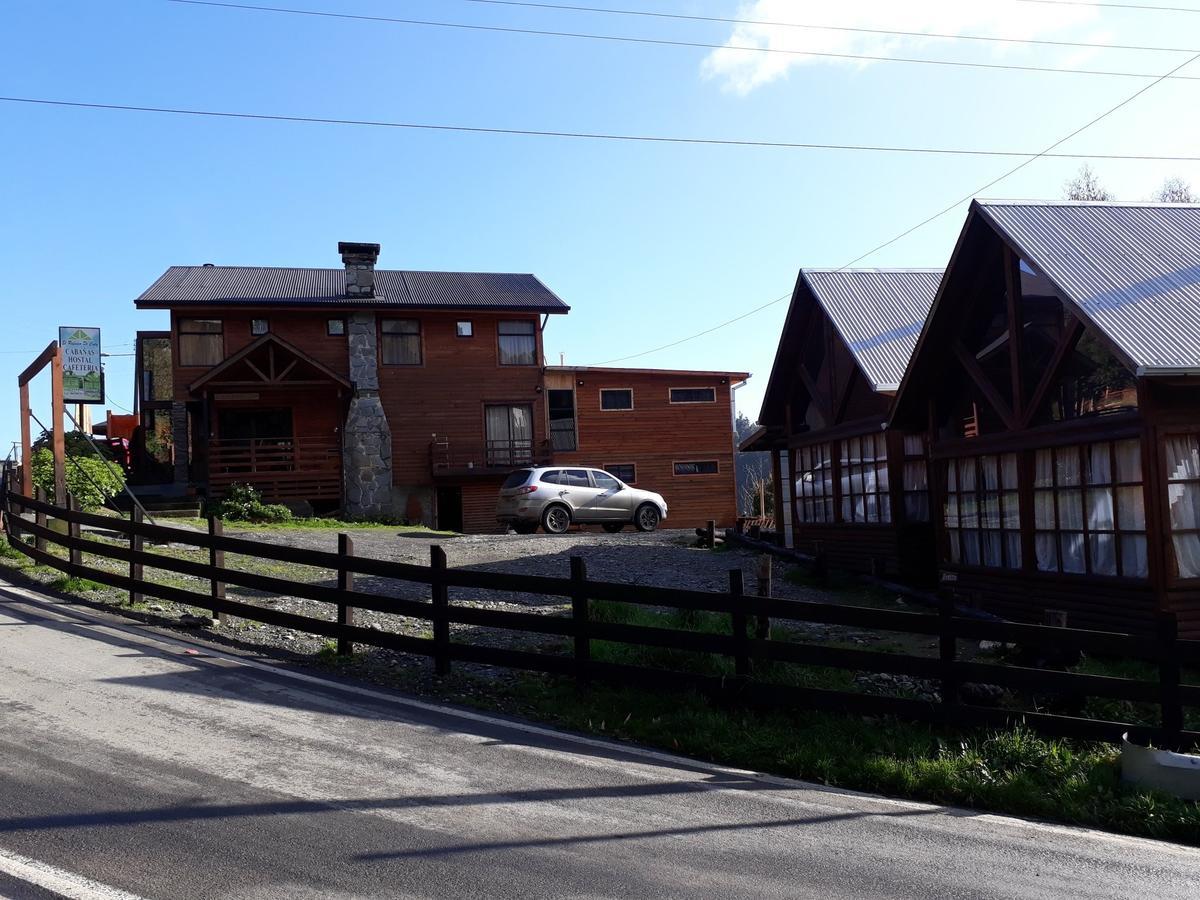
(979, 493)
(534, 334)
(883, 496)
(458, 328)
(607, 467)
(1082, 451)
(1174, 579)
(911, 459)
(801, 462)
(610, 390)
(673, 402)
(181, 332)
(695, 462)
(383, 336)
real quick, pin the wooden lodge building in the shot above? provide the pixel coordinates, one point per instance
(1056, 386)
(851, 490)
(404, 394)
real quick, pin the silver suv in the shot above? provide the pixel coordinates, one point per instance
(556, 496)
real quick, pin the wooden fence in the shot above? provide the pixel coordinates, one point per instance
(747, 645)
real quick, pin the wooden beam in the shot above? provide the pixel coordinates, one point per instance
(968, 361)
(1066, 344)
(814, 394)
(26, 444)
(1016, 330)
(839, 409)
(56, 425)
(256, 370)
(38, 364)
(286, 369)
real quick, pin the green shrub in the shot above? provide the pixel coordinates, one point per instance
(90, 481)
(244, 504)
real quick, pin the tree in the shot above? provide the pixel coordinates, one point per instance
(1086, 186)
(1175, 190)
(753, 470)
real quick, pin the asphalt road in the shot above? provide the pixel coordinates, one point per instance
(134, 762)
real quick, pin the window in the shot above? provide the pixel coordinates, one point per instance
(982, 511)
(1183, 502)
(701, 467)
(1089, 511)
(155, 367)
(693, 395)
(258, 326)
(916, 479)
(518, 343)
(335, 327)
(561, 405)
(616, 398)
(401, 342)
(627, 472)
(509, 435)
(201, 342)
(553, 477)
(864, 480)
(814, 483)
(574, 478)
(605, 482)
(464, 329)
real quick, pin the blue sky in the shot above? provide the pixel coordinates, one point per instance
(648, 243)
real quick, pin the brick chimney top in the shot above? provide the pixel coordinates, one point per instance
(359, 260)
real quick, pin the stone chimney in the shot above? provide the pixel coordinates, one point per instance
(359, 260)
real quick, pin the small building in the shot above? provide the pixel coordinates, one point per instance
(1058, 382)
(401, 394)
(852, 490)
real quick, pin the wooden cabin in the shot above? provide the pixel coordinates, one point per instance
(852, 490)
(384, 393)
(1058, 381)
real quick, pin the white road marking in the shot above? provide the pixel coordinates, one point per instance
(66, 884)
(832, 794)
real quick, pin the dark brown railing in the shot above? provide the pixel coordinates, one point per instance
(280, 468)
(491, 457)
(749, 646)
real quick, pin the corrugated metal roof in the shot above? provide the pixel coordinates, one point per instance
(265, 286)
(879, 314)
(1132, 269)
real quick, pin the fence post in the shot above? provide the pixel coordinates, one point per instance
(39, 517)
(441, 611)
(1168, 680)
(947, 655)
(820, 568)
(345, 583)
(710, 534)
(579, 616)
(135, 546)
(74, 554)
(762, 628)
(741, 648)
(216, 559)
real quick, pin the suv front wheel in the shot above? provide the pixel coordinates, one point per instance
(556, 519)
(647, 517)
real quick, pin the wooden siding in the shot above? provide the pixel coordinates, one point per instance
(656, 434)
(447, 393)
(893, 551)
(479, 506)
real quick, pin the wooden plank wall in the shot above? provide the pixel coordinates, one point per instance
(479, 506)
(655, 434)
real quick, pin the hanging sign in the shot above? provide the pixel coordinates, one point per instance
(82, 379)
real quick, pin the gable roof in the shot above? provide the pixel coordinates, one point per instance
(878, 313)
(268, 340)
(1131, 269)
(208, 285)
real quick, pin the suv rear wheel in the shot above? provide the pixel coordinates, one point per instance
(647, 517)
(556, 519)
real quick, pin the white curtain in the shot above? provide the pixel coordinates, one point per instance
(1066, 468)
(1071, 545)
(1183, 457)
(1070, 510)
(1047, 554)
(1131, 508)
(1129, 461)
(1045, 469)
(1103, 548)
(1099, 464)
(1134, 561)
(1187, 554)
(1100, 510)
(1183, 500)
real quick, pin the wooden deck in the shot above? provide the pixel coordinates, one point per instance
(281, 469)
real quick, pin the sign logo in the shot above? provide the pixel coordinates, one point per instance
(82, 379)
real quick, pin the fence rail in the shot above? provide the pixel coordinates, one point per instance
(748, 648)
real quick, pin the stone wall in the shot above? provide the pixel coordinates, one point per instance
(367, 460)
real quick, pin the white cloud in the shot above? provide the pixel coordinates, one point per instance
(742, 72)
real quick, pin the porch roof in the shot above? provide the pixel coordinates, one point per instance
(279, 377)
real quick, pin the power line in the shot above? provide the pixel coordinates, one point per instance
(1178, 9)
(861, 57)
(937, 215)
(591, 135)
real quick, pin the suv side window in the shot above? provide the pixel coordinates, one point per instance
(552, 477)
(605, 482)
(576, 478)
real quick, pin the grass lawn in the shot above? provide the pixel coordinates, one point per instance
(1010, 771)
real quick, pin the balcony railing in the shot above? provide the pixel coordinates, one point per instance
(280, 468)
(487, 458)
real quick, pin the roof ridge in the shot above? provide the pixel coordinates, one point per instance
(1082, 204)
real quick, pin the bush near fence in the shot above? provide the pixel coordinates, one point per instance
(746, 644)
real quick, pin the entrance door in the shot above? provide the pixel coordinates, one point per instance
(449, 509)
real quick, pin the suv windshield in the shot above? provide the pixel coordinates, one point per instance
(516, 479)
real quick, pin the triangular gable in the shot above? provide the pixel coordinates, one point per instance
(270, 360)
